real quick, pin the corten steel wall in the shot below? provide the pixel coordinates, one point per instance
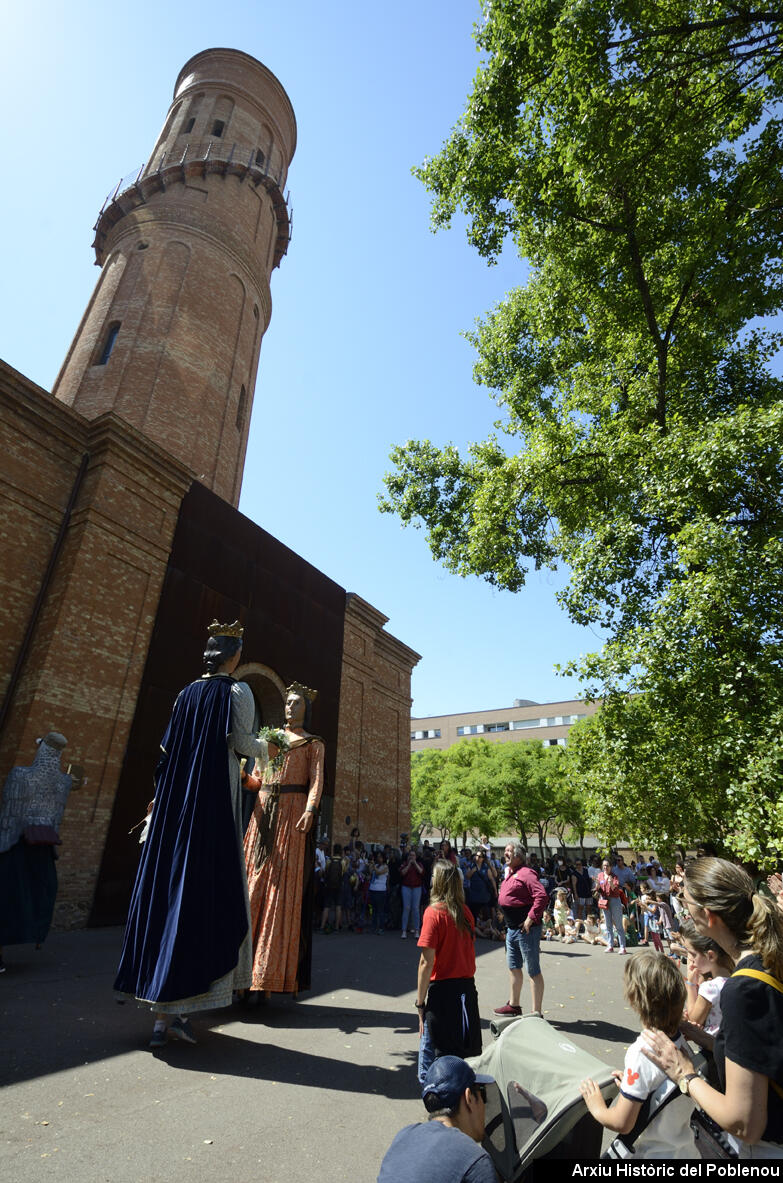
(222, 566)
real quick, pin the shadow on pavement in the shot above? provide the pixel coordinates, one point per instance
(220, 1053)
(598, 1029)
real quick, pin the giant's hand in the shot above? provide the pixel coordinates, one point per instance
(305, 823)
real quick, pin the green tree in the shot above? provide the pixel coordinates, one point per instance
(495, 788)
(425, 781)
(632, 153)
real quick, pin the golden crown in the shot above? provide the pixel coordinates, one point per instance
(225, 630)
(304, 691)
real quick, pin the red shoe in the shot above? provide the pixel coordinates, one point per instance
(508, 1009)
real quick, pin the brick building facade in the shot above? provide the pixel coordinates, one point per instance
(119, 539)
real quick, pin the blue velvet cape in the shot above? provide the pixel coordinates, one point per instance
(188, 911)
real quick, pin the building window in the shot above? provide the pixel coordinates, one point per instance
(496, 727)
(108, 343)
(259, 158)
(521, 724)
(188, 128)
(241, 408)
(218, 127)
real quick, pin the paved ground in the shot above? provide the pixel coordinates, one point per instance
(315, 1088)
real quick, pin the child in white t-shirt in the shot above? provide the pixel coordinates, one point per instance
(593, 933)
(709, 966)
(656, 992)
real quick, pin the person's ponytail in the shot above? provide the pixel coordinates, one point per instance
(765, 932)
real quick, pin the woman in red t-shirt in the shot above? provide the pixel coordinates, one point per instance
(446, 1000)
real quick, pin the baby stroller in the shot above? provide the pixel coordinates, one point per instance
(536, 1112)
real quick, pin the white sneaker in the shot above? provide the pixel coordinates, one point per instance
(404, 935)
(609, 949)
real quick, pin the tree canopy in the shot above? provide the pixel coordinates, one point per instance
(495, 788)
(632, 153)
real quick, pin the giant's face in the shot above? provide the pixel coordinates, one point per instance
(295, 709)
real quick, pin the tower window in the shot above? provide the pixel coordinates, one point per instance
(218, 127)
(108, 343)
(241, 406)
(259, 158)
(188, 128)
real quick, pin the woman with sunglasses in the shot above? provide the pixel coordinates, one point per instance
(446, 999)
(748, 1047)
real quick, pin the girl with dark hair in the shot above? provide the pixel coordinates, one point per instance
(446, 1000)
(748, 1049)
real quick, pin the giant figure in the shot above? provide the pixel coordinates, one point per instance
(31, 810)
(280, 854)
(187, 941)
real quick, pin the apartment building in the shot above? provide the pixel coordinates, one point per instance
(549, 722)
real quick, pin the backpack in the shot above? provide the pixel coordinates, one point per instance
(334, 873)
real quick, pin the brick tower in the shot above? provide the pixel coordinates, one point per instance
(171, 337)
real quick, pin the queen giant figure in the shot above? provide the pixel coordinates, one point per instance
(280, 855)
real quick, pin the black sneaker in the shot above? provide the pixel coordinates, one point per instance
(181, 1029)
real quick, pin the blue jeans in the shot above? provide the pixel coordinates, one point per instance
(522, 948)
(426, 1053)
(614, 917)
(378, 901)
(411, 898)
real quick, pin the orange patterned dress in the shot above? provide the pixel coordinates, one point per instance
(280, 861)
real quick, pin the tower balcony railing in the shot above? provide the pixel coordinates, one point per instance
(191, 159)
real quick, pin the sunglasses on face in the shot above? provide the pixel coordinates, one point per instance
(481, 1091)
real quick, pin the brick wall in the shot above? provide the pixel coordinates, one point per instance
(373, 754)
(83, 666)
(187, 253)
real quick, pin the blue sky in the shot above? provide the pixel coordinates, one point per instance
(364, 348)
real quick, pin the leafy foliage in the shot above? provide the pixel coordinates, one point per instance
(494, 788)
(632, 152)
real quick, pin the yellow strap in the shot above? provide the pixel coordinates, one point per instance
(762, 977)
(776, 985)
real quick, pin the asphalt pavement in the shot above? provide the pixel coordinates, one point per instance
(281, 1093)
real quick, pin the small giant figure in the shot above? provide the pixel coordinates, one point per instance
(31, 809)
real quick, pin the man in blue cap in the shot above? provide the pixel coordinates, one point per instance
(445, 1149)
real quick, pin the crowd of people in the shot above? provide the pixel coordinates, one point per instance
(711, 975)
(378, 888)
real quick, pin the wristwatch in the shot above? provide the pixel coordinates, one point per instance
(685, 1082)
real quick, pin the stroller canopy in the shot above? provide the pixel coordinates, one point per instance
(537, 1110)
